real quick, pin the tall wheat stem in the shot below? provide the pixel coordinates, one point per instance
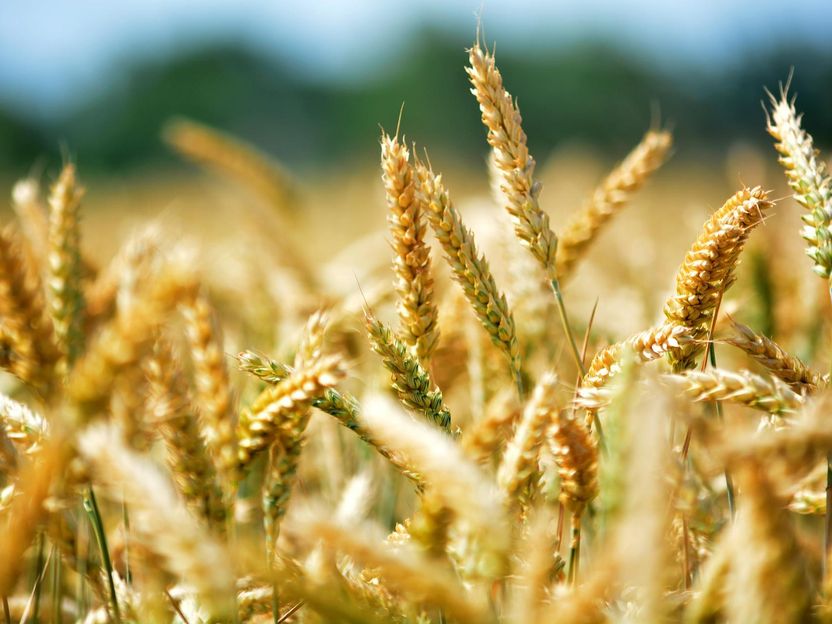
(91, 507)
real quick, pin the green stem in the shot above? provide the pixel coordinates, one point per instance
(38, 584)
(564, 319)
(729, 482)
(56, 585)
(573, 347)
(94, 513)
(574, 551)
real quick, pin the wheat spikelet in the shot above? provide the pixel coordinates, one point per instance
(772, 356)
(430, 525)
(66, 301)
(411, 260)
(233, 158)
(213, 390)
(576, 454)
(511, 155)
(482, 439)
(30, 352)
(169, 407)
(770, 395)
(160, 520)
(708, 268)
(769, 581)
(470, 269)
(278, 406)
(610, 197)
(807, 176)
(520, 460)
(411, 382)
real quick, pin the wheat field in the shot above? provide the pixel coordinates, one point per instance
(403, 396)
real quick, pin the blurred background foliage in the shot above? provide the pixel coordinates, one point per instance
(592, 92)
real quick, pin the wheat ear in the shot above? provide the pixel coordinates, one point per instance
(714, 384)
(708, 269)
(411, 382)
(66, 301)
(169, 406)
(520, 460)
(342, 406)
(31, 212)
(808, 178)
(30, 352)
(261, 424)
(773, 357)
(501, 117)
(470, 268)
(416, 578)
(213, 389)
(610, 197)
(411, 260)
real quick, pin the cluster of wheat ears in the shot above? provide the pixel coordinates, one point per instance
(625, 487)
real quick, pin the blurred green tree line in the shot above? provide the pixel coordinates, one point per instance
(590, 92)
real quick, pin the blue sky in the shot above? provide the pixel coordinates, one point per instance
(52, 51)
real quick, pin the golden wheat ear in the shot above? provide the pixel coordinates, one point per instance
(501, 117)
(708, 269)
(171, 409)
(214, 396)
(418, 314)
(773, 357)
(807, 176)
(519, 464)
(26, 332)
(610, 198)
(66, 298)
(470, 268)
